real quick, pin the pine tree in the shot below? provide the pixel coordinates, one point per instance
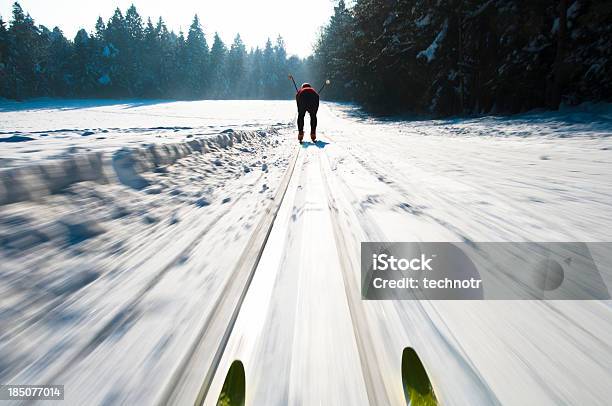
(133, 24)
(256, 74)
(150, 61)
(58, 65)
(85, 78)
(218, 78)
(97, 47)
(269, 83)
(100, 30)
(4, 77)
(132, 54)
(196, 50)
(280, 69)
(180, 68)
(24, 54)
(167, 62)
(117, 58)
(335, 54)
(3, 42)
(236, 68)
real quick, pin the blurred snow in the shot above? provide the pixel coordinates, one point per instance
(106, 280)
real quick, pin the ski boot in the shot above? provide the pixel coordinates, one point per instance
(301, 136)
(313, 137)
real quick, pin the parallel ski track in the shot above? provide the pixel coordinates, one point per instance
(371, 371)
(373, 232)
(231, 299)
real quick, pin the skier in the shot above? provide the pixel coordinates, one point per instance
(307, 100)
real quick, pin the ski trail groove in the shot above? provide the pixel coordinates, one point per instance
(384, 176)
(360, 322)
(188, 373)
(375, 387)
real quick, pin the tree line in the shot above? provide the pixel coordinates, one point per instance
(447, 57)
(127, 57)
(439, 57)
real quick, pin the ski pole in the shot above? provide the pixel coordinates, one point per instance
(327, 82)
(293, 80)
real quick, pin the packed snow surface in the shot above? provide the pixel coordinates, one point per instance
(108, 278)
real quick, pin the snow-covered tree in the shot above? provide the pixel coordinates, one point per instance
(467, 56)
(334, 54)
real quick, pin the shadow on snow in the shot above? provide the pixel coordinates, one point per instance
(318, 144)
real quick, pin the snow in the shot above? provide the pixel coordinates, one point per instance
(537, 44)
(430, 52)
(593, 70)
(572, 10)
(104, 80)
(555, 27)
(109, 51)
(107, 284)
(390, 18)
(480, 10)
(106, 125)
(423, 21)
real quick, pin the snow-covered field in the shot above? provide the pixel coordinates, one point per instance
(121, 275)
(49, 128)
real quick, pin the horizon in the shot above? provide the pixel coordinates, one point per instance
(252, 21)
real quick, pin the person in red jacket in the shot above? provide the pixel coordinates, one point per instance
(307, 100)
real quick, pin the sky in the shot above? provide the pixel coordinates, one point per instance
(298, 22)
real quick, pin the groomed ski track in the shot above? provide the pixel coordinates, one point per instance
(305, 337)
(265, 270)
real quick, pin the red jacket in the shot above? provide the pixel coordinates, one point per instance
(306, 90)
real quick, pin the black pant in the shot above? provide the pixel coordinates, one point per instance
(308, 102)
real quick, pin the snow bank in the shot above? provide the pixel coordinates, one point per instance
(124, 166)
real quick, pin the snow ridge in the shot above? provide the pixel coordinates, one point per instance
(125, 166)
